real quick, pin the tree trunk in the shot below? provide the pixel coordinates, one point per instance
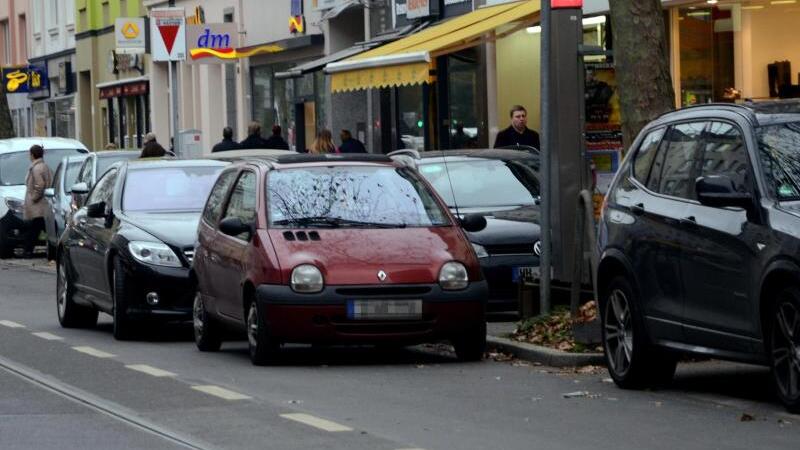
(6, 125)
(642, 63)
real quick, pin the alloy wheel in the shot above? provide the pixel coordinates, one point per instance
(618, 332)
(198, 315)
(786, 349)
(252, 326)
(63, 286)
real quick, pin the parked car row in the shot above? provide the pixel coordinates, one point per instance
(279, 247)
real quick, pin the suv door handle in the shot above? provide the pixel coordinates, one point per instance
(689, 221)
(638, 209)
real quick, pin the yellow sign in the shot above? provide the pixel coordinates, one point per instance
(15, 79)
(130, 30)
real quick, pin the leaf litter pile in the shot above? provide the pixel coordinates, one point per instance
(555, 330)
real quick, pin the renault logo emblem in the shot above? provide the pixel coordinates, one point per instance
(537, 248)
(382, 275)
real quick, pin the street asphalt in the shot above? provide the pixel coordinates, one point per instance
(67, 388)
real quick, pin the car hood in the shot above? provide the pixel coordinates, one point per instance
(506, 225)
(176, 229)
(353, 256)
(16, 191)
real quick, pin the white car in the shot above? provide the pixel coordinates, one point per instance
(14, 163)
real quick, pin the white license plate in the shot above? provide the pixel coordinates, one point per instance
(384, 309)
(527, 274)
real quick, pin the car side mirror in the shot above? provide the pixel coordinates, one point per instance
(233, 226)
(49, 192)
(473, 222)
(96, 210)
(720, 191)
(80, 188)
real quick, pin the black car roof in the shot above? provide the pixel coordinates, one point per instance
(758, 113)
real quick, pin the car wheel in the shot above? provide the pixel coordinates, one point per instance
(123, 325)
(471, 345)
(6, 248)
(207, 335)
(70, 314)
(785, 348)
(263, 349)
(632, 361)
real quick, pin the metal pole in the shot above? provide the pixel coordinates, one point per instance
(175, 107)
(370, 113)
(171, 100)
(544, 261)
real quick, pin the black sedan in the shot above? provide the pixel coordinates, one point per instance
(503, 186)
(128, 252)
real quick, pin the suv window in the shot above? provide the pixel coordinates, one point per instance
(725, 154)
(103, 190)
(86, 170)
(242, 203)
(678, 157)
(217, 196)
(57, 179)
(646, 154)
(779, 153)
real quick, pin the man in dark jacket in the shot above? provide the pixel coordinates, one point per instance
(254, 139)
(276, 141)
(227, 142)
(350, 144)
(518, 133)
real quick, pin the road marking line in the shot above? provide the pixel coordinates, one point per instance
(93, 352)
(316, 422)
(220, 392)
(150, 370)
(10, 324)
(48, 336)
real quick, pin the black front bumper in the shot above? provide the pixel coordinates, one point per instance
(499, 273)
(12, 226)
(173, 285)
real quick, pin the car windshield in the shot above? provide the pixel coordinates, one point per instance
(479, 183)
(348, 196)
(779, 147)
(103, 163)
(159, 189)
(71, 174)
(14, 166)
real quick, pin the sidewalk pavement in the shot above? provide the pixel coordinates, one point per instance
(498, 338)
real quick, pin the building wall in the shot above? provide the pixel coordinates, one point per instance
(52, 25)
(770, 35)
(94, 42)
(518, 76)
(14, 18)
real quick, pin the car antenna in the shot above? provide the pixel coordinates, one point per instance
(449, 180)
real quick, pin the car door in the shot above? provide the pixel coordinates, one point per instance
(716, 267)
(231, 249)
(206, 260)
(53, 203)
(99, 232)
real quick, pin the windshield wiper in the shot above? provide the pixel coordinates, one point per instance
(335, 222)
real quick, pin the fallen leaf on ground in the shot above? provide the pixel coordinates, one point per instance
(747, 417)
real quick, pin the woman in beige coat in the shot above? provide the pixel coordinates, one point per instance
(38, 179)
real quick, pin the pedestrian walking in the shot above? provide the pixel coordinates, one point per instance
(254, 139)
(518, 132)
(38, 179)
(276, 141)
(149, 137)
(350, 144)
(227, 142)
(323, 143)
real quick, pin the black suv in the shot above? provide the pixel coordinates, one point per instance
(700, 245)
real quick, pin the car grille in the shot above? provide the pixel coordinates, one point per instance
(189, 255)
(510, 249)
(383, 291)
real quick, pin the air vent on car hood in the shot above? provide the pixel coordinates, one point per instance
(301, 236)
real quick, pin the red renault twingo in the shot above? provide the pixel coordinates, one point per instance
(334, 249)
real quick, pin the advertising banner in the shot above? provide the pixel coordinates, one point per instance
(168, 34)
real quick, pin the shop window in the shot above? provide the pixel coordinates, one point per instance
(706, 55)
(467, 100)
(410, 118)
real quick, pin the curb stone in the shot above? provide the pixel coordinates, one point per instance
(544, 355)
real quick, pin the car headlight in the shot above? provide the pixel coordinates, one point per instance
(453, 276)
(480, 250)
(307, 279)
(15, 204)
(156, 253)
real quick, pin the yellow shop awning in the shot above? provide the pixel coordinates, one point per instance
(412, 60)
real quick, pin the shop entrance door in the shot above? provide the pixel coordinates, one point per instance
(305, 116)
